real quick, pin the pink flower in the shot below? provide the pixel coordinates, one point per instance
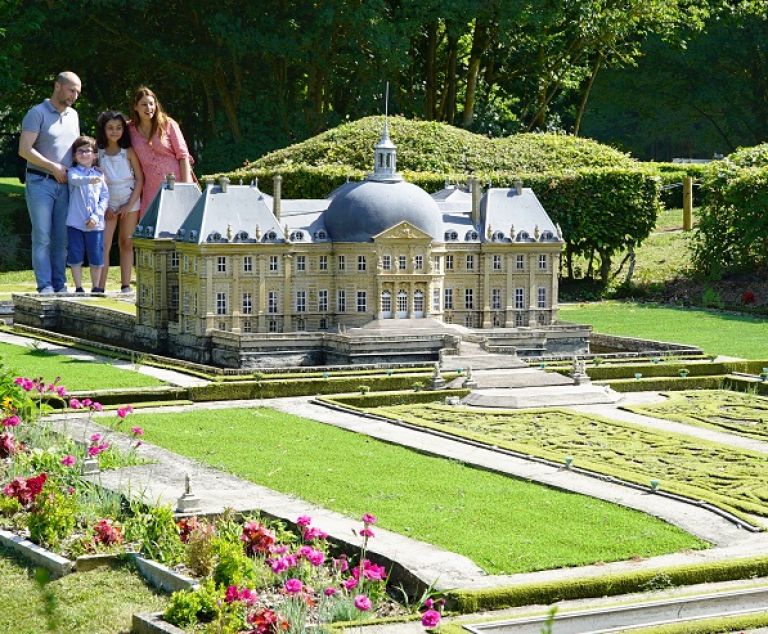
(11, 421)
(329, 592)
(61, 391)
(96, 406)
(369, 519)
(231, 594)
(316, 557)
(137, 431)
(362, 603)
(75, 404)
(122, 412)
(303, 520)
(293, 586)
(341, 563)
(95, 437)
(68, 460)
(366, 532)
(430, 619)
(87, 402)
(93, 451)
(349, 583)
(312, 533)
(429, 604)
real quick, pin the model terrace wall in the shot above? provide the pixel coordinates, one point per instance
(82, 320)
(614, 343)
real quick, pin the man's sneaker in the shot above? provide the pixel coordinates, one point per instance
(63, 289)
(125, 290)
(96, 289)
(79, 289)
(48, 290)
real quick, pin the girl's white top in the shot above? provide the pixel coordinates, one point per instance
(120, 178)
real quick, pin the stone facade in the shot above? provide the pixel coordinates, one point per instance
(233, 260)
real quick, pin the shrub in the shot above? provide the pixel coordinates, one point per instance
(233, 566)
(199, 555)
(156, 534)
(53, 516)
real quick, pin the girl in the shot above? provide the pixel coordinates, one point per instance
(159, 144)
(125, 179)
(88, 199)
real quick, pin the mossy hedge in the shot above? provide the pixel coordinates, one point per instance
(367, 401)
(237, 390)
(545, 593)
(666, 384)
(720, 625)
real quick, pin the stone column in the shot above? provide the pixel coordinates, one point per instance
(531, 290)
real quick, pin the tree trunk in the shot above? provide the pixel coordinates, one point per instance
(448, 102)
(605, 267)
(585, 94)
(229, 103)
(480, 41)
(431, 72)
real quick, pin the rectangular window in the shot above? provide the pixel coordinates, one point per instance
(520, 263)
(174, 260)
(272, 302)
(323, 263)
(247, 326)
(449, 263)
(322, 300)
(185, 263)
(301, 263)
(221, 264)
(541, 297)
(273, 325)
(341, 301)
(436, 300)
(247, 304)
(274, 263)
(497, 263)
(496, 298)
(221, 303)
(448, 296)
(362, 301)
(174, 298)
(386, 262)
(401, 262)
(301, 301)
(418, 262)
(519, 298)
(543, 262)
(436, 261)
(185, 305)
(470, 262)
(323, 323)
(341, 262)
(469, 298)
(247, 264)
(361, 263)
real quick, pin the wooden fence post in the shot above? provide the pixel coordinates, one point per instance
(687, 202)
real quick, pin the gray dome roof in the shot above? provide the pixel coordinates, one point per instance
(362, 210)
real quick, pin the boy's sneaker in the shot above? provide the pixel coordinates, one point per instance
(48, 290)
(79, 289)
(125, 290)
(95, 289)
(63, 289)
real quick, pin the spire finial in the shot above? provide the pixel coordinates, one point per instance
(386, 112)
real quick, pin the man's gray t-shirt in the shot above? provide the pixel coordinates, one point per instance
(56, 132)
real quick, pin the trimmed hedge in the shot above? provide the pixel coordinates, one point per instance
(545, 593)
(302, 387)
(721, 625)
(609, 372)
(367, 401)
(666, 384)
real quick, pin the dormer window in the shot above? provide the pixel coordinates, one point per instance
(241, 236)
(498, 236)
(181, 233)
(297, 235)
(451, 235)
(215, 236)
(547, 235)
(523, 236)
(192, 235)
(321, 235)
(270, 236)
(471, 235)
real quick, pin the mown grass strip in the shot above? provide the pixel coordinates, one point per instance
(96, 602)
(714, 332)
(732, 479)
(79, 374)
(503, 524)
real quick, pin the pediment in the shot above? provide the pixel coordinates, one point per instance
(402, 231)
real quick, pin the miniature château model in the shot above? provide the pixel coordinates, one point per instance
(233, 261)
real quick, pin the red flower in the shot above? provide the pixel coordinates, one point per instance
(106, 533)
(9, 446)
(256, 538)
(747, 297)
(25, 490)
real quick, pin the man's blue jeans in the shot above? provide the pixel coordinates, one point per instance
(48, 202)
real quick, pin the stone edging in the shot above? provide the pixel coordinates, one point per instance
(56, 564)
(152, 623)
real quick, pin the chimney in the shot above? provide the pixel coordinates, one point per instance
(223, 183)
(170, 180)
(519, 186)
(277, 190)
(474, 187)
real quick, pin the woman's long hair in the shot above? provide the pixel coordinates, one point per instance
(159, 120)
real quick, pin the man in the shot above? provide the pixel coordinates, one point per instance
(47, 133)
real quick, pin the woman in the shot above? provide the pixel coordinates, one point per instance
(159, 144)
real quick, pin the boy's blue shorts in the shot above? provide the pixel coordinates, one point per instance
(81, 242)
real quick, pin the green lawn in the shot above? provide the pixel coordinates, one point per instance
(76, 374)
(503, 524)
(99, 601)
(733, 479)
(715, 333)
(733, 412)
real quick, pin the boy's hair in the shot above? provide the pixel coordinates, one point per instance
(80, 142)
(159, 121)
(101, 123)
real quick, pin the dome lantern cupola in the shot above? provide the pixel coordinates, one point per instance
(385, 152)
